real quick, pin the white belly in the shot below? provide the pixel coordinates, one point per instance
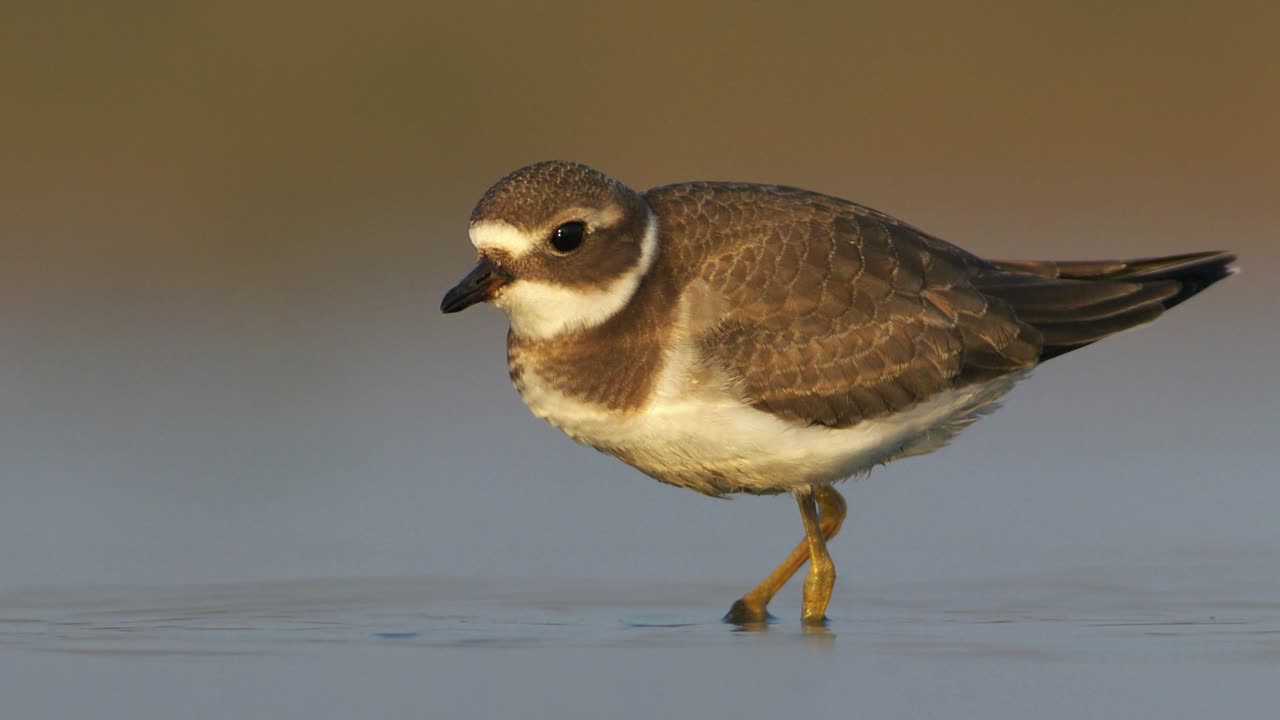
(705, 439)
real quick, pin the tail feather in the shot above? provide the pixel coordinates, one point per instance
(1066, 336)
(1129, 296)
(1073, 304)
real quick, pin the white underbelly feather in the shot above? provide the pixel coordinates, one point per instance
(700, 435)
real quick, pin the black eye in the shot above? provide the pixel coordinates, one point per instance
(568, 237)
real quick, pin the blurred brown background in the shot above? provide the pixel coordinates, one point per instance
(225, 228)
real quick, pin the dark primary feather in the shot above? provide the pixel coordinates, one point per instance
(836, 313)
(1074, 304)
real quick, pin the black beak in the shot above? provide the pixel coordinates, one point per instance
(480, 284)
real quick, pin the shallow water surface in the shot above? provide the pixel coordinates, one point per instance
(1088, 642)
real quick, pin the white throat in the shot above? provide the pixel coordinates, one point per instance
(540, 310)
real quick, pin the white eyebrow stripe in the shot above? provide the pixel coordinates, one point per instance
(499, 235)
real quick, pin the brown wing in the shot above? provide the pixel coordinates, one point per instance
(835, 313)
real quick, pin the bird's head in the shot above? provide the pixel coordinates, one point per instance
(562, 247)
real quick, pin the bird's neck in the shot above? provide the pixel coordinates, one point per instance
(614, 364)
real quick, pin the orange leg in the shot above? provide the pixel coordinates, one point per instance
(823, 512)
